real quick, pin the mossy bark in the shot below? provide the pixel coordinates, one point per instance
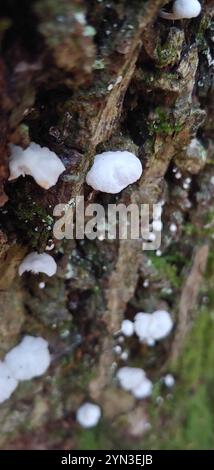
(81, 77)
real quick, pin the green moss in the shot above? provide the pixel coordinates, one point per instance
(22, 214)
(162, 123)
(167, 269)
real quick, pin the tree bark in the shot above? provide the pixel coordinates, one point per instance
(82, 77)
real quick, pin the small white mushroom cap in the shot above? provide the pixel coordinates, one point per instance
(113, 171)
(161, 324)
(182, 9)
(141, 326)
(143, 390)
(88, 415)
(127, 327)
(130, 377)
(152, 327)
(38, 263)
(39, 162)
(7, 382)
(169, 380)
(30, 358)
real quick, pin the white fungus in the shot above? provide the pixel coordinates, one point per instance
(7, 382)
(41, 285)
(127, 327)
(169, 380)
(117, 349)
(151, 327)
(178, 175)
(143, 390)
(30, 358)
(38, 263)
(182, 9)
(158, 253)
(141, 325)
(130, 377)
(39, 162)
(88, 415)
(113, 171)
(134, 380)
(173, 228)
(124, 356)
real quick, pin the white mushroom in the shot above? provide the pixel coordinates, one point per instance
(134, 380)
(143, 390)
(182, 9)
(30, 358)
(141, 325)
(151, 327)
(161, 324)
(173, 228)
(88, 415)
(39, 162)
(127, 327)
(169, 380)
(38, 263)
(7, 382)
(130, 377)
(113, 171)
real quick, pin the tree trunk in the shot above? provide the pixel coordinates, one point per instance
(82, 77)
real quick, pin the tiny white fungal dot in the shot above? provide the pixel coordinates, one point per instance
(124, 356)
(117, 349)
(41, 285)
(121, 339)
(127, 327)
(169, 380)
(173, 228)
(158, 253)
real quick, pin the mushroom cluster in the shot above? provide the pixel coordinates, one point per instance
(134, 380)
(151, 327)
